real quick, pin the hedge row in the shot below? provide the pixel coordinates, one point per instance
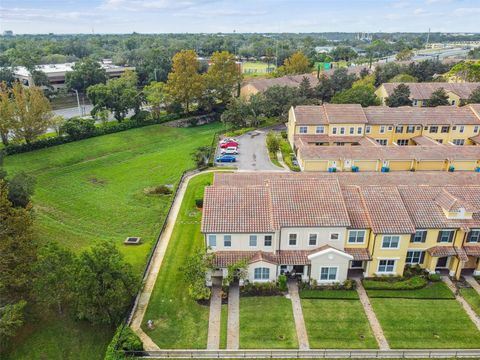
(140, 120)
(413, 283)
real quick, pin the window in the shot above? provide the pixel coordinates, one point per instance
(342, 130)
(212, 240)
(415, 257)
(453, 102)
(261, 274)
(253, 240)
(445, 129)
(390, 128)
(410, 129)
(334, 131)
(312, 239)
(454, 128)
(292, 239)
(368, 129)
(303, 130)
(267, 240)
(440, 141)
(382, 129)
(390, 242)
(475, 129)
(352, 131)
(356, 236)
(419, 236)
(461, 129)
(414, 102)
(227, 240)
(420, 128)
(320, 130)
(386, 266)
(334, 236)
(473, 236)
(433, 129)
(402, 142)
(359, 130)
(382, 141)
(445, 236)
(356, 264)
(340, 144)
(459, 142)
(399, 129)
(328, 274)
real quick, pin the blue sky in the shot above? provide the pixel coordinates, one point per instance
(166, 16)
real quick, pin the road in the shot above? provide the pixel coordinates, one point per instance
(75, 111)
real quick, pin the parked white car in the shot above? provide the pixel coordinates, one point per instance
(229, 151)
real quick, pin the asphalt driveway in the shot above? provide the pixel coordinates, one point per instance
(252, 153)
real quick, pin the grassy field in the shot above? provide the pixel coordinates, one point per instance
(180, 322)
(336, 324)
(329, 294)
(254, 68)
(267, 323)
(223, 327)
(94, 190)
(472, 298)
(415, 323)
(436, 290)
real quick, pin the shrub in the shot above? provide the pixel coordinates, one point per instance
(273, 142)
(434, 277)
(159, 190)
(415, 282)
(199, 203)
(284, 135)
(282, 282)
(123, 340)
(261, 289)
(79, 128)
(348, 284)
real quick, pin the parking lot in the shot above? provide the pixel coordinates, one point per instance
(252, 153)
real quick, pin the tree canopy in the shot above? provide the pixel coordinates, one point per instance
(86, 72)
(439, 97)
(399, 97)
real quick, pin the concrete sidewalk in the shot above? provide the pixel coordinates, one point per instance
(302, 335)
(233, 324)
(214, 320)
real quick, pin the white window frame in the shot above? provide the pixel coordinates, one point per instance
(381, 141)
(320, 129)
(334, 233)
(342, 131)
(302, 128)
(316, 239)
(214, 237)
(461, 129)
(419, 231)
(359, 130)
(328, 274)
(351, 130)
(382, 129)
(255, 237)
(477, 231)
(296, 239)
(410, 129)
(264, 240)
(386, 264)
(402, 142)
(356, 236)
(475, 129)
(262, 274)
(458, 142)
(334, 131)
(419, 251)
(391, 237)
(368, 129)
(449, 231)
(224, 240)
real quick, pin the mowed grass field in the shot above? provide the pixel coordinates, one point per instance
(93, 190)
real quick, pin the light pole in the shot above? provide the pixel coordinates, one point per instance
(78, 102)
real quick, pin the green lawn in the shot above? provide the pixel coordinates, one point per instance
(94, 190)
(180, 322)
(472, 298)
(223, 327)
(415, 323)
(436, 290)
(336, 324)
(329, 294)
(267, 323)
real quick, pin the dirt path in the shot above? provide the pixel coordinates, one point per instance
(302, 335)
(466, 306)
(233, 324)
(372, 317)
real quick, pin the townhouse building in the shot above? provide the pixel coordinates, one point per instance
(379, 137)
(420, 93)
(324, 227)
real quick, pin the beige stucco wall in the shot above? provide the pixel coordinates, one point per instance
(323, 237)
(330, 259)
(262, 264)
(240, 242)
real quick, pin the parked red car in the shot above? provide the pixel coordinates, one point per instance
(229, 144)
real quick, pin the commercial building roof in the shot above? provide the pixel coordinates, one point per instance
(56, 69)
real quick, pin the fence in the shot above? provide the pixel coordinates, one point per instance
(308, 354)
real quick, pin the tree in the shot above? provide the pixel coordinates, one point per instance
(239, 113)
(324, 89)
(11, 319)
(223, 76)
(201, 156)
(342, 80)
(297, 63)
(343, 53)
(30, 112)
(401, 78)
(237, 270)
(6, 113)
(184, 83)
(273, 142)
(85, 73)
(105, 284)
(439, 97)
(465, 71)
(305, 89)
(156, 96)
(195, 271)
(79, 128)
(399, 97)
(20, 189)
(116, 95)
(363, 95)
(6, 75)
(56, 123)
(54, 276)
(474, 96)
(405, 55)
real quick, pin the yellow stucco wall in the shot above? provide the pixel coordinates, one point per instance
(432, 165)
(378, 253)
(400, 165)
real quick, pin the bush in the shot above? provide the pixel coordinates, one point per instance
(282, 282)
(284, 135)
(199, 203)
(260, 289)
(79, 128)
(123, 340)
(415, 282)
(159, 190)
(348, 284)
(434, 277)
(273, 142)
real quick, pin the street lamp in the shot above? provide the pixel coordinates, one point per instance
(78, 102)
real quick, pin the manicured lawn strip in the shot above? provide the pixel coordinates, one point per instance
(436, 290)
(472, 297)
(337, 324)
(267, 323)
(415, 282)
(223, 327)
(329, 294)
(180, 322)
(415, 323)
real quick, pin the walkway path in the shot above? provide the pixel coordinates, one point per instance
(214, 320)
(233, 322)
(473, 283)
(302, 335)
(280, 160)
(372, 317)
(466, 306)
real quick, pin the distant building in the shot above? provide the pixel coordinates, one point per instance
(8, 33)
(56, 73)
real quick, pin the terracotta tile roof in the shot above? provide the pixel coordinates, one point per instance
(450, 202)
(345, 114)
(476, 139)
(421, 91)
(472, 250)
(386, 210)
(359, 253)
(441, 251)
(225, 258)
(425, 141)
(292, 257)
(310, 115)
(356, 208)
(309, 139)
(461, 253)
(262, 84)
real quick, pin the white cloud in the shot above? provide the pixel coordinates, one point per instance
(137, 5)
(466, 11)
